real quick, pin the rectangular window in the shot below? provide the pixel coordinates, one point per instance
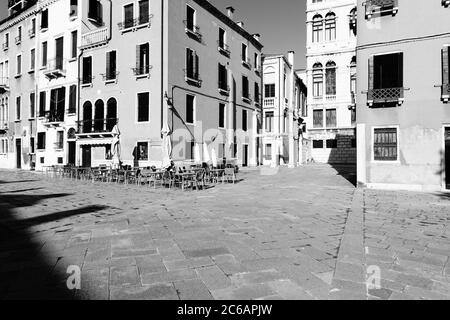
(192, 64)
(256, 92)
(44, 54)
(317, 144)
(222, 109)
(128, 14)
(256, 61)
(331, 143)
(111, 65)
(32, 31)
(32, 59)
(190, 18)
(73, 99)
(142, 59)
(331, 118)
(445, 74)
(269, 90)
(244, 53)
(42, 102)
(95, 11)
(385, 144)
(244, 120)
(19, 65)
(268, 152)
(388, 71)
(73, 8)
(87, 70)
(19, 35)
(32, 104)
(44, 19)
(269, 121)
(144, 12)
(143, 107)
(222, 39)
(59, 144)
(245, 92)
(223, 77)
(41, 141)
(73, 54)
(32, 146)
(318, 118)
(142, 151)
(190, 109)
(18, 103)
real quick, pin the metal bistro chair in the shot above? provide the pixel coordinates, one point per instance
(198, 179)
(229, 175)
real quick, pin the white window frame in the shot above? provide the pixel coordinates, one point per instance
(18, 98)
(148, 149)
(30, 70)
(372, 152)
(17, 65)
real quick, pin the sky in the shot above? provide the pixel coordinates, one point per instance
(281, 23)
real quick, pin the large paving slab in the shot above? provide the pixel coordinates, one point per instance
(299, 233)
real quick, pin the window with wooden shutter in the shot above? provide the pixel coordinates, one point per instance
(385, 144)
(32, 104)
(331, 118)
(72, 99)
(445, 74)
(42, 102)
(111, 65)
(197, 66)
(370, 79)
(190, 109)
(44, 19)
(318, 118)
(223, 81)
(386, 79)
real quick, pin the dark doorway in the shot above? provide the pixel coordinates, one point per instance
(245, 155)
(86, 156)
(71, 153)
(19, 154)
(447, 158)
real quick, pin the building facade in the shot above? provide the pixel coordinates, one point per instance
(284, 110)
(126, 71)
(331, 78)
(403, 113)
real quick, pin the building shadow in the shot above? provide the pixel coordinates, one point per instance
(343, 156)
(27, 272)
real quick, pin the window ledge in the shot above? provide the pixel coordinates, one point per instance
(112, 81)
(31, 71)
(73, 17)
(72, 59)
(141, 76)
(44, 29)
(86, 85)
(391, 162)
(18, 120)
(17, 76)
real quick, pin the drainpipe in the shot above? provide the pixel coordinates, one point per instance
(291, 110)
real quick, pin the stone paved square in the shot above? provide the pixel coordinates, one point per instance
(304, 233)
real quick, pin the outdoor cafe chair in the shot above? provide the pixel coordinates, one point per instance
(198, 179)
(229, 175)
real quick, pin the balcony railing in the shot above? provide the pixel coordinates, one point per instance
(55, 68)
(246, 62)
(12, 3)
(96, 126)
(141, 21)
(386, 95)
(110, 76)
(31, 33)
(223, 49)
(224, 88)
(54, 117)
(381, 7)
(142, 70)
(246, 97)
(4, 85)
(193, 31)
(446, 92)
(94, 38)
(269, 102)
(5, 46)
(18, 39)
(192, 77)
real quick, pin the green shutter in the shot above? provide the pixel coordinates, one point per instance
(370, 78)
(445, 72)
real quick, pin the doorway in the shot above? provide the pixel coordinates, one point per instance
(19, 153)
(245, 155)
(71, 145)
(447, 158)
(86, 156)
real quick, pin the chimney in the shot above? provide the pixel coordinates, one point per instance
(240, 24)
(257, 36)
(291, 58)
(230, 11)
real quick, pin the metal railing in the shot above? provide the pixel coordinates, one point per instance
(269, 102)
(246, 97)
(110, 76)
(192, 30)
(385, 95)
(142, 70)
(105, 125)
(53, 116)
(190, 75)
(224, 48)
(5, 46)
(246, 62)
(32, 32)
(55, 67)
(142, 20)
(18, 39)
(95, 37)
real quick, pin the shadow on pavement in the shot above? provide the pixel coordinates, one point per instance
(26, 272)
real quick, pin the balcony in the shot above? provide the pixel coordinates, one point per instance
(192, 31)
(4, 127)
(55, 68)
(5, 46)
(97, 127)
(32, 33)
(446, 92)
(137, 23)
(110, 77)
(53, 118)
(385, 95)
(446, 3)
(192, 77)
(12, 3)
(18, 39)
(142, 71)
(224, 49)
(246, 63)
(381, 7)
(4, 85)
(269, 102)
(95, 38)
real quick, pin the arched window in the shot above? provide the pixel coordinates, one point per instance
(99, 117)
(353, 21)
(111, 114)
(317, 80)
(87, 117)
(317, 27)
(330, 27)
(330, 75)
(71, 134)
